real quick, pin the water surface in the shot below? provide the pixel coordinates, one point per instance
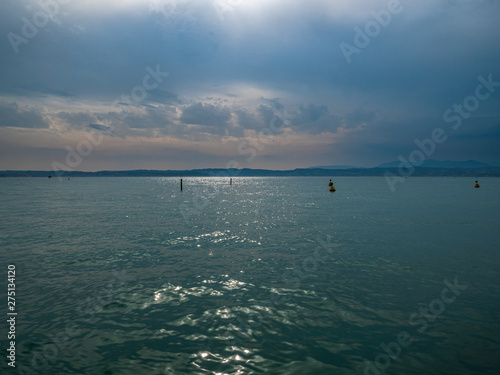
(269, 275)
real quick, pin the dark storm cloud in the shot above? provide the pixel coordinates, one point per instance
(280, 46)
(248, 120)
(12, 115)
(92, 53)
(359, 117)
(77, 119)
(205, 114)
(149, 117)
(102, 128)
(260, 117)
(314, 119)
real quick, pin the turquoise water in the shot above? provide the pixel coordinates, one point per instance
(269, 275)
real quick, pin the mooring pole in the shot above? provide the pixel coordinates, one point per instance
(181, 184)
(230, 181)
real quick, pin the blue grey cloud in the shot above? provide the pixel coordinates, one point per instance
(14, 116)
(100, 127)
(205, 114)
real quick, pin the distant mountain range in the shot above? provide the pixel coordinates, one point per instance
(469, 168)
(430, 163)
(334, 167)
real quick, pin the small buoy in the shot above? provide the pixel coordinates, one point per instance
(476, 185)
(330, 183)
(332, 188)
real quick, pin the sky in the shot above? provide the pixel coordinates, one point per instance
(277, 84)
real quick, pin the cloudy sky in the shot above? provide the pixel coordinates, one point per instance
(277, 84)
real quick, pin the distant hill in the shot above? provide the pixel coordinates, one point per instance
(334, 167)
(474, 171)
(446, 164)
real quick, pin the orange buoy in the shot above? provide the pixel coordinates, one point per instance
(476, 185)
(332, 188)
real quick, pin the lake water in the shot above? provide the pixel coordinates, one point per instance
(269, 275)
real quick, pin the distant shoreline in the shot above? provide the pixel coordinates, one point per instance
(305, 172)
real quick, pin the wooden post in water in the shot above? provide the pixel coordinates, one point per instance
(181, 184)
(230, 181)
